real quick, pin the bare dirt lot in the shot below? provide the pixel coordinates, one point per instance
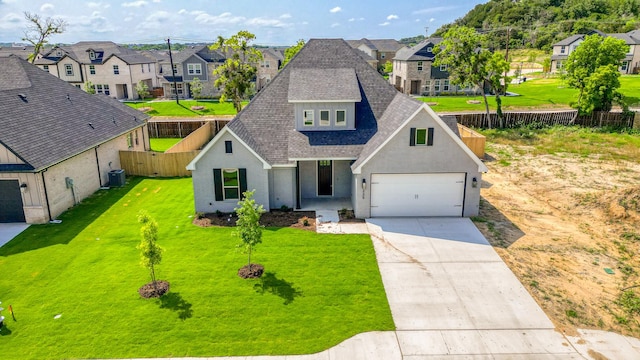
(568, 226)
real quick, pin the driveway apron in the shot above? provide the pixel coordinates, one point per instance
(452, 295)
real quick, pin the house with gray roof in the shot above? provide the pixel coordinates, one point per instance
(188, 64)
(333, 130)
(113, 70)
(380, 50)
(630, 64)
(58, 144)
(269, 66)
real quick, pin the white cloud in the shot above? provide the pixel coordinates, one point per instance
(10, 21)
(139, 3)
(262, 22)
(96, 23)
(433, 10)
(182, 11)
(98, 5)
(224, 18)
(335, 25)
(385, 23)
(432, 19)
(392, 17)
(356, 19)
(335, 9)
(352, 19)
(157, 1)
(46, 7)
(304, 23)
(285, 16)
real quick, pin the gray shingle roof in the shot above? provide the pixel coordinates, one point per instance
(267, 123)
(419, 51)
(324, 85)
(570, 40)
(80, 52)
(382, 45)
(45, 120)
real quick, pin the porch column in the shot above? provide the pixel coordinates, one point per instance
(298, 185)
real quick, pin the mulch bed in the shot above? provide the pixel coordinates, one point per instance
(294, 219)
(254, 272)
(154, 291)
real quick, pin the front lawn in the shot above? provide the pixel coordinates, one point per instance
(183, 109)
(317, 291)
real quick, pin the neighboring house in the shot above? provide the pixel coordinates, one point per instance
(22, 51)
(268, 68)
(381, 50)
(630, 64)
(112, 69)
(58, 144)
(336, 130)
(188, 64)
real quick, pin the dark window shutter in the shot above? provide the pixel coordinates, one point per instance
(430, 137)
(228, 147)
(217, 184)
(412, 137)
(242, 174)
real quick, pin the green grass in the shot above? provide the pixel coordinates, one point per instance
(536, 93)
(318, 289)
(601, 142)
(170, 108)
(163, 144)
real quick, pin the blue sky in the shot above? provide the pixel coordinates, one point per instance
(280, 22)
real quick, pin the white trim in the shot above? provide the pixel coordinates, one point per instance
(305, 118)
(343, 123)
(326, 101)
(481, 166)
(192, 165)
(224, 194)
(316, 159)
(328, 117)
(284, 166)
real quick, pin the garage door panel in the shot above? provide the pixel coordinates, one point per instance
(11, 209)
(437, 194)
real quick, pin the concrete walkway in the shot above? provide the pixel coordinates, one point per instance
(10, 230)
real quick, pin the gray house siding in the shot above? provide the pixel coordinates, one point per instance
(216, 158)
(332, 107)
(341, 179)
(445, 156)
(203, 76)
(282, 187)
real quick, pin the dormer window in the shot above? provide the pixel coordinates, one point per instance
(324, 118)
(58, 53)
(92, 55)
(341, 117)
(307, 116)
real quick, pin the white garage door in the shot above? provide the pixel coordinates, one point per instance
(436, 194)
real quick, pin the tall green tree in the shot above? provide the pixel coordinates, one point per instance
(236, 74)
(248, 227)
(592, 68)
(290, 52)
(39, 30)
(498, 82)
(470, 63)
(150, 251)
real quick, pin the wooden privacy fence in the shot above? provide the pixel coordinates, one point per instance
(194, 141)
(474, 141)
(181, 128)
(147, 163)
(547, 118)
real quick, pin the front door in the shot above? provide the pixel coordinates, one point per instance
(325, 178)
(415, 87)
(125, 92)
(11, 209)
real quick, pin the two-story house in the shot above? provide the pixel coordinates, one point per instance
(189, 64)
(268, 68)
(630, 64)
(336, 131)
(112, 69)
(381, 50)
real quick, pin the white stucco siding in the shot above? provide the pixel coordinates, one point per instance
(397, 157)
(282, 187)
(217, 158)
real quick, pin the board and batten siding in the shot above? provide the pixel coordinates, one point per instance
(8, 157)
(398, 157)
(349, 107)
(217, 158)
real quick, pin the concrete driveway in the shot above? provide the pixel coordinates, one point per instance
(452, 296)
(10, 230)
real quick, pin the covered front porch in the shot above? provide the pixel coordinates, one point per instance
(324, 185)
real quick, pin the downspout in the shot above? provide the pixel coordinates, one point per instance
(298, 185)
(46, 194)
(98, 164)
(144, 142)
